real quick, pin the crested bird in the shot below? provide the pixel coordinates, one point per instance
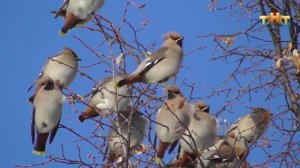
(201, 133)
(130, 120)
(226, 152)
(172, 120)
(61, 69)
(77, 12)
(160, 65)
(252, 126)
(47, 109)
(104, 98)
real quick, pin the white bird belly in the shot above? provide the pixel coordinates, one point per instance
(60, 72)
(105, 99)
(83, 8)
(47, 115)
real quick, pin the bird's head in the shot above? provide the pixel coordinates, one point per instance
(71, 53)
(201, 106)
(172, 91)
(175, 37)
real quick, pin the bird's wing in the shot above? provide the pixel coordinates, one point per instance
(105, 153)
(41, 74)
(151, 61)
(94, 90)
(53, 132)
(173, 145)
(33, 126)
(178, 152)
(212, 154)
(98, 86)
(31, 98)
(234, 126)
(62, 10)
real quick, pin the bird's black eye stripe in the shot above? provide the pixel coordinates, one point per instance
(207, 109)
(175, 92)
(74, 54)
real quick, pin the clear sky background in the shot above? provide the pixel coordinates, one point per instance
(29, 35)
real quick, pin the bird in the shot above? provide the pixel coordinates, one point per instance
(226, 152)
(47, 110)
(160, 65)
(252, 126)
(137, 134)
(61, 69)
(172, 119)
(77, 12)
(201, 134)
(103, 98)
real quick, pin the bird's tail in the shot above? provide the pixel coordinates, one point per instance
(88, 113)
(184, 161)
(163, 146)
(40, 145)
(187, 158)
(70, 22)
(129, 80)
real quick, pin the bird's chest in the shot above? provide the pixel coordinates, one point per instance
(60, 72)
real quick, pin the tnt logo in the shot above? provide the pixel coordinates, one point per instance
(276, 18)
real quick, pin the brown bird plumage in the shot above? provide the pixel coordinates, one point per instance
(172, 120)
(252, 126)
(77, 12)
(226, 152)
(105, 97)
(47, 109)
(160, 65)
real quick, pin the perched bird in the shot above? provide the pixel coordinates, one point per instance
(172, 120)
(160, 65)
(137, 133)
(226, 152)
(61, 69)
(201, 133)
(103, 99)
(77, 12)
(251, 126)
(47, 109)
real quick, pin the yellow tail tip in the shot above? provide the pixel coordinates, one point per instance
(158, 160)
(39, 153)
(62, 34)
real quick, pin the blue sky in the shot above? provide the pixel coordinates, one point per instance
(29, 35)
